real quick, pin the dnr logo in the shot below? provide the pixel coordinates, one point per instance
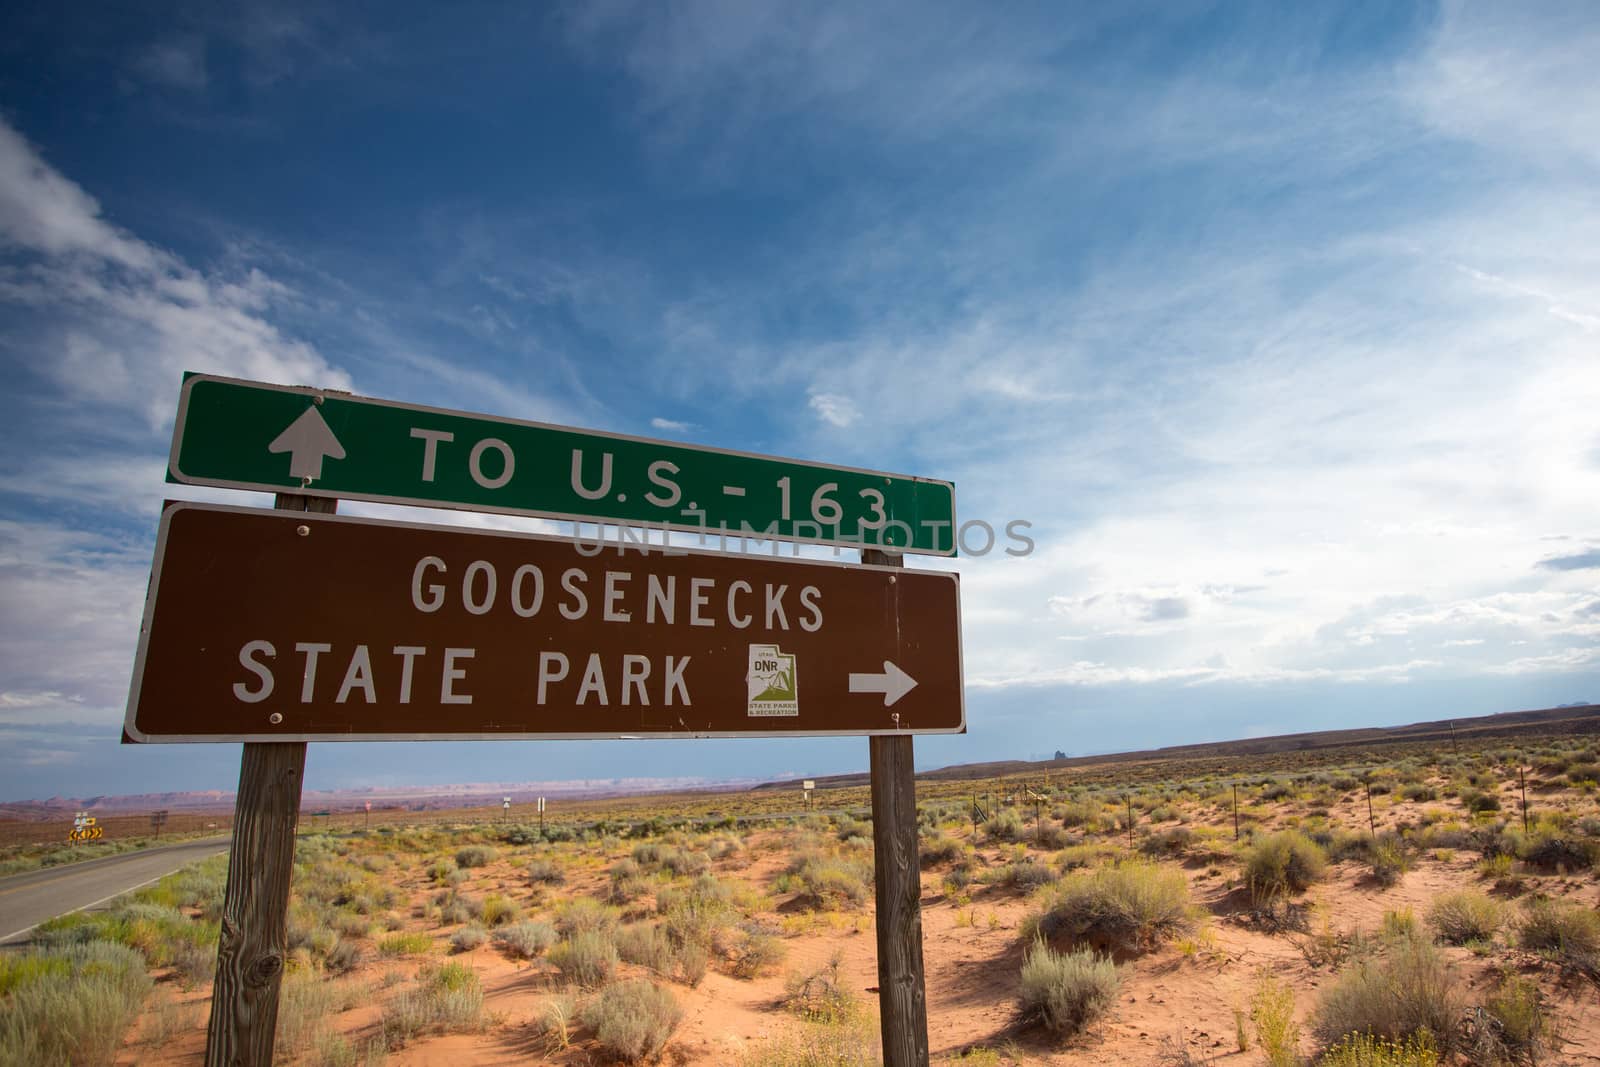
(773, 683)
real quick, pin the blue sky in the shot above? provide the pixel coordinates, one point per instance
(1280, 324)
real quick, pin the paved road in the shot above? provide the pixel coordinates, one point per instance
(26, 900)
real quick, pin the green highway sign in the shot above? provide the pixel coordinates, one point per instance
(249, 435)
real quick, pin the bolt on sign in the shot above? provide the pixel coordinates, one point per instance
(275, 626)
(249, 435)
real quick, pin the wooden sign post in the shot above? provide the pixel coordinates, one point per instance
(255, 905)
(897, 883)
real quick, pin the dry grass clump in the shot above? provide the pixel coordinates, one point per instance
(1281, 863)
(827, 880)
(1466, 917)
(1511, 1026)
(821, 995)
(69, 1005)
(545, 872)
(476, 856)
(468, 938)
(1066, 991)
(820, 1045)
(939, 847)
(1568, 933)
(1134, 905)
(633, 1020)
(447, 999)
(1407, 990)
(754, 951)
(413, 944)
(587, 957)
(525, 940)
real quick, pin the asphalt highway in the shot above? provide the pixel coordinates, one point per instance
(28, 899)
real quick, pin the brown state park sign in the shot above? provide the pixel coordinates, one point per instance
(293, 626)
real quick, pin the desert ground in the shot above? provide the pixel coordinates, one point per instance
(1394, 906)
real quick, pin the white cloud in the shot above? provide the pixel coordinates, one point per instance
(835, 409)
(670, 425)
(115, 321)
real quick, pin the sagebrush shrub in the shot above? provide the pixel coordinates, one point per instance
(1067, 991)
(1411, 988)
(633, 1020)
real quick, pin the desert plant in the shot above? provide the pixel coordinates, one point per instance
(1133, 905)
(468, 938)
(499, 910)
(476, 856)
(1410, 989)
(1466, 916)
(1280, 863)
(545, 872)
(588, 958)
(525, 940)
(1004, 825)
(413, 944)
(70, 1005)
(446, 999)
(1510, 1026)
(1568, 933)
(1364, 1050)
(1066, 991)
(1272, 1010)
(633, 1020)
(754, 951)
(821, 995)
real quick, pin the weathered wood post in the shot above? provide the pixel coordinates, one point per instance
(897, 882)
(255, 904)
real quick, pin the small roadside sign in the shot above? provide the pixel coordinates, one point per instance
(808, 785)
(250, 435)
(426, 632)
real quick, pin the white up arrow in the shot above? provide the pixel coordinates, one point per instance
(307, 440)
(893, 683)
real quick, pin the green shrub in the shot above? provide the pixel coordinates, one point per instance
(633, 1020)
(1066, 991)
(525, 940)
(476, 856)
(71, 1005)
(499, 910)
(646, 945)
(1466, 916)
(1284, 862)
(1272, 1010)
(447, 999)
(1388, 860)
(1134, 905)
(415, 944)
(1408, 990)
(588, 958)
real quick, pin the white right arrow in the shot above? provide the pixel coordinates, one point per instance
(893, 683)
(307, 440)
